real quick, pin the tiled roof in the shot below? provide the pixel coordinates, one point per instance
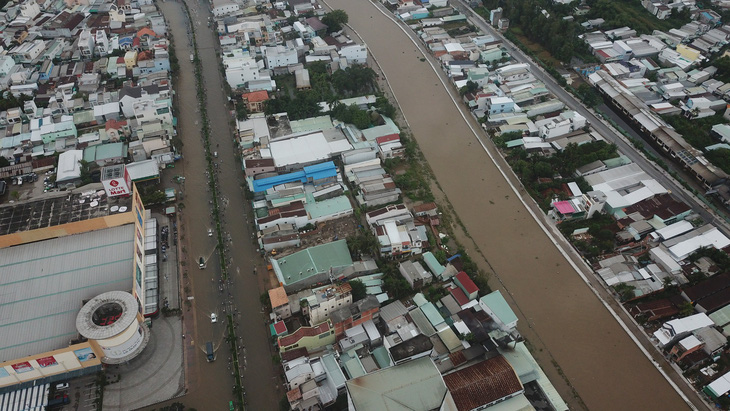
(304, 332)
(294, 395)
(467, 283)
(256, 96)
(482, 383)
(422, 208)
(278, 297)
(294, 354)
(457, 358)
(459, 295)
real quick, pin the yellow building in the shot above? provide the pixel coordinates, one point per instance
(688, 52)
(312, 338)
(130, 59)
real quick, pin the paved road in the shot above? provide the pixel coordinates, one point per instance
(571, 102)
(559, 315)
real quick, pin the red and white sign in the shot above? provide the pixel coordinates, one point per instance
(115, 187)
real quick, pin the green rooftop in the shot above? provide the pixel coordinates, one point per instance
(382, 357)
(432, 313)
(310, 124)
(328, 207)
(105, 152)
(433, 264)
(414, 385)
(312, 261)
(721, 317)
(496, 302)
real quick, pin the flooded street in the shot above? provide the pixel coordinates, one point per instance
(210, 384)
(572, 334)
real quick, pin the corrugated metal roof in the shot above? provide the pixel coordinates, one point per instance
(44, 283)
(415, 385)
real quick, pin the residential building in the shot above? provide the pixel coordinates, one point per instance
(675, 330)
(222, 8)
(355, 53)
(467, 285)
(500, 105)
(496, 306)
(324, 301)
(280, 56)
(280, 302)
(415, 274)
(312, 338)
(255, 101)
(357, 313)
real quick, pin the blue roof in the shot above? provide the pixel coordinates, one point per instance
(314, 172)
(320, 171)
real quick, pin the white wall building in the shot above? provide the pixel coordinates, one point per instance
(86, 44)
(280, 56)
(30, 9)
(355, 54)
(224, 7)
(240, 68)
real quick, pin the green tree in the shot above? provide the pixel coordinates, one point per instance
(589, 95)
(358, 290)
(335, 20)
(470, 88)
(241, 111)
(382, 104)
(686, 309)
(364, 243)
(354, 79)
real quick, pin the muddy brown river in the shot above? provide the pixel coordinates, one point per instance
(563, 320)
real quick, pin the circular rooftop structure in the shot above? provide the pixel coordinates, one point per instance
(111, 321)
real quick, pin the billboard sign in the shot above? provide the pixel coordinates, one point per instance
(44, 362)
(116, 187)
(22, 367)
(84, 354)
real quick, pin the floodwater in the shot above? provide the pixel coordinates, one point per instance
(563, 320)
(210, 384)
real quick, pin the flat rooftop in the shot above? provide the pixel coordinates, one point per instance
(44, 283)
(65, 207)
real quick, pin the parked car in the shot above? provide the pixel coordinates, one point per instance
(210, 232)
(213, 318)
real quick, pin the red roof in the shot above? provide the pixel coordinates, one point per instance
(136, 41)
(115, 124)
(459, 295)
(145, 31)
(280, 328)
(467, 283)
(422, 208)
(564, 207)
(387, 139)
(302, 332)
(482, 383)
(256, 96)
(294, 395)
